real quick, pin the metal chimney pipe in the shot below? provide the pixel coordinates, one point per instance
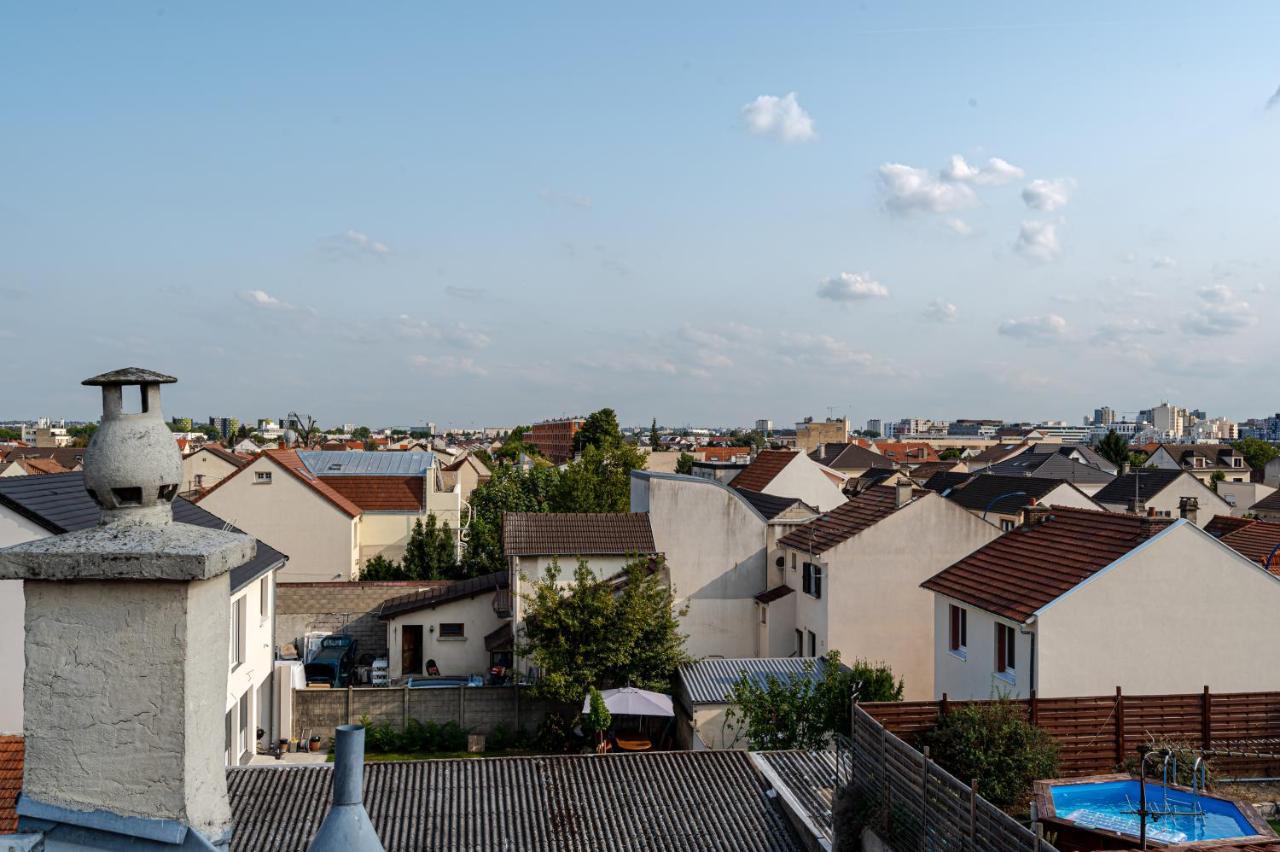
(347, 825)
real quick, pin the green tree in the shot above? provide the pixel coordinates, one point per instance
(514, 445)
(509, 489)
(593, 632)
(444, 554)
(381, 568)
(1256, 452)
(749, 439)
(600, 429)
(81, 434)
(598, 718)
(951, 454)
(993, 742)
(654, 439)
(803, 712)
(1114, 448)
(684, 463)
(417, 553)
(361, 433)
(10, 435)
(1137, 459)
(599, 480)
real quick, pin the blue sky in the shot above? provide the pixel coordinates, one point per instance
(484, 215)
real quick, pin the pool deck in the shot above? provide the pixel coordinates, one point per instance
(1047, 813)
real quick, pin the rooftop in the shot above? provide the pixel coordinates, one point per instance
(381, 493)
(709, 681)
(769, 505)
(10, 781)
(847, 520)
(849, 456)
(443, 593)
(576, 533)
(590, 803)
(1148, 482)
(359, 463)
(1073, 464)
(1255, 539)
(1006, 494)
(767, 465)
(1018, 573)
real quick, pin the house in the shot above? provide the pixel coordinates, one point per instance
(1258, 540)
(68, 458)
(12, 469)
(1240, 496)
(715, 540)
(996, 454)
(1001, 499)
(334, 511)
(1163, 492)
(793, 474)
(849, 581)
(461, 628)
(36, 507)
(208, 466)
(921, 472)
(1203, 461)
(907, 453)
(1268, 508)
(704, 693)
(467, 472)
(851, 459)
(1078, 602)
(1080, 466)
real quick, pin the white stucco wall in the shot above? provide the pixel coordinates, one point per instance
(259, 656)
(1245, 494)
(712, 724)
(453, 656)
(318, 537)
(714, 543)
(1181, 612)
(14, 529)
(805, 479)
(212, 468)
(1167, 502)
(972, 675)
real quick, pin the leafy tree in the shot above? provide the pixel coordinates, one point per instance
(598, 718)
(599, 480)
(371, 447)
(600, 430)
(243, 433)
(684, 463)
(654, 440)
(803, 712)
(993, 742)
(210, 432)
(1114, 448)
(951, 454)
(81, 434)
(1137, 459)
(381, 568)
(10, 435)
(592, 632)
(417, 553)
(444, 555)
(361, 433)
(750, 439)
(430, 553)
(1256, 452)
(514, 446)
(509, 489)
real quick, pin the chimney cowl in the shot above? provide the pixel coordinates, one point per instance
(346, 828)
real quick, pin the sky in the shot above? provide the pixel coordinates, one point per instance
(481, 214)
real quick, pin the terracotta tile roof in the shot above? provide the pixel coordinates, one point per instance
(380, 493)
(225, 454)
(908, 452)
(847, 520)
(1023, 570)
(10, 781)
(576, 533)
(1252, 538)
(289, 461)
(767, 465)
(442, 594)
(39, 466)
(724, 453)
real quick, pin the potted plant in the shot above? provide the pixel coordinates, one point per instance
(314, 743)
(598, 719)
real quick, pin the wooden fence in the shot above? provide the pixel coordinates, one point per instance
(922, 805)
(1239, 730)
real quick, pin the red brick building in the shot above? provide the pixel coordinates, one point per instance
(554, 438)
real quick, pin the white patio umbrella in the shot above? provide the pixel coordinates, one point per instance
(629, 701)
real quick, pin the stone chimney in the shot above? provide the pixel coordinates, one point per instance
(1034, 514)
(902, 491)
(1189, 508)
(126, 650)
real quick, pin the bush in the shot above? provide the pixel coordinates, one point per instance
(451, 737)
(993, 743)
(556, 735)
(504, 738)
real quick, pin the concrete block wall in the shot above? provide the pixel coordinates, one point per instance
(352, 607)
(478, 710)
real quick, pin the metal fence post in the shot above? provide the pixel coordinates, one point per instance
(1206, 725)
(350, 721)
(1119, 714)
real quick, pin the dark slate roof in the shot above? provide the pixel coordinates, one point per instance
(1270, 503)
(1215, 455)
(579, 803)
(769, 505)
(1055, 463)
(576, 533)
(849, 456)
(979, 491)
(709, 681)
(1027, 568)
(1151, 481)
(437, 595)
(944, 480)
(847, 520)
(59, 503)
(68, 457)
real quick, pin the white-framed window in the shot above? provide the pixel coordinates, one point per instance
(262, 477)
(958, 642)
(453, 630)
(811, 581)
(1006, 525)
(1006, 650)
(264, 597)
(237, 632)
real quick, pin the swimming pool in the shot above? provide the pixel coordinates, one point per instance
(1105, 805)
(444, 682)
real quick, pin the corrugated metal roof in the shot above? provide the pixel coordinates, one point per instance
(811, 777)
(349, 463)
(708, 681)
(60, 503)
(588, 803)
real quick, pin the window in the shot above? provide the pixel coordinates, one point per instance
(812, 579)
(237, 632)
(262, 477)
(959, 630)
(229, 750)
(264, 598)
(1006, 525)
(246, 742)
(764, 614)
(1005, 649)
(813, 644)
(793, 562)
(799, 643)
(452, 631)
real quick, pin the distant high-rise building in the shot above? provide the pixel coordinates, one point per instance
(226, 426)
(1104, 416)
(554, 438)
(874, 425)
(764, 427)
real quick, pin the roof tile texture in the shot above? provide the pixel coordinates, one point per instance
(380, 493)
(767, 465)
(576, 533)
(847, 520)
(10, 781)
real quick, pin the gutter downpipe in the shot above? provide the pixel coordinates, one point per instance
(1028, 628)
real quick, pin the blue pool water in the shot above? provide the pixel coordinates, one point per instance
(1106, 806)
(443, 682)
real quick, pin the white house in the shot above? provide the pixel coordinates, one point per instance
(1076, 603)
(849, 581)
(461, 628)
(1163, 492)
(787, 473)
(208, 466)
(1203, 461)
(33, 507)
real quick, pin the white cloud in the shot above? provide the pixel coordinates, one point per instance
(353, 244)
(941, 311)
(263, 299)
(459, 334)
(1037, 329)
(1221, 313)
(783, 118)
(912, 190)
(996, 172)
(1048, 194)
(852, 287)
(448, 364)
(1038, 241)
(1163, 262)
(788, 348)
(1125, 332)
(960, 226)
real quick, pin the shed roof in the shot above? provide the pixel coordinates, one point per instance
(60, 503)
(710, 681)
(1023, 570)
(848, 519)
(658, 800)
(576, 533)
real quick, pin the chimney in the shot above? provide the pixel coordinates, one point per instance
(1138, 506)
(346, 828)
(902, 491)
(1189, 508)
(1034, 514)
(126, 649)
